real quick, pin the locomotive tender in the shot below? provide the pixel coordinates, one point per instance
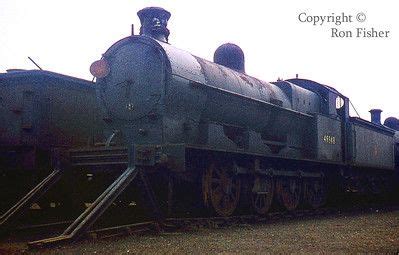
(215, 126)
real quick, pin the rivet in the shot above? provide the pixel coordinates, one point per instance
(130, 106)
(142, 131)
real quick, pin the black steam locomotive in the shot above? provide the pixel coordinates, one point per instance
(208, 134)
(210, 123)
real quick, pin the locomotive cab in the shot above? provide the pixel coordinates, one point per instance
(333, 103)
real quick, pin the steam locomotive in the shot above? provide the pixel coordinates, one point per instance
(211, 124)
(207, 134)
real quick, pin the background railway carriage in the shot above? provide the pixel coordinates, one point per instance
(41, 114)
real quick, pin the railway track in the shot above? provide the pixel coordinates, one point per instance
(185, 224)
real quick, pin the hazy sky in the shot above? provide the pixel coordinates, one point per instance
(67, 36)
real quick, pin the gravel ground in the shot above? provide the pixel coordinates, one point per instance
(376, 232)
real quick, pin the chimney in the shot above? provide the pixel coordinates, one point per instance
(154, 22)
(231, 56)
(376, 116)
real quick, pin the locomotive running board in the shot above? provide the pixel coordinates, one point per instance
(24, 203)
(92, 213)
